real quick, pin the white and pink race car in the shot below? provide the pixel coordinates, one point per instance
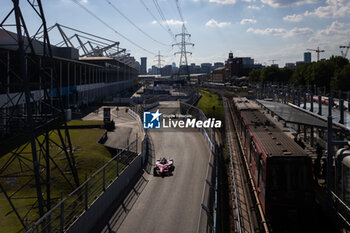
(164, 167)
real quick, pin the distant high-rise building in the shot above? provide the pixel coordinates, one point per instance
(174, 68)
(307, 57)
(218, 64)
(155, 70)
(197, 69)
(143, 65)
(299, 63)
(206, 67)
(137, 66)
(191, 68)
(166, 70)
(290, 65)
(248, 62)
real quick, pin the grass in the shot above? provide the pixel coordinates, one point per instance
(89, 156)
(211, 105)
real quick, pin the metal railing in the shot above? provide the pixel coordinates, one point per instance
(342, 210)
(69, 209)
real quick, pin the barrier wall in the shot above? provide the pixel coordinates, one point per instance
(89, 218)
(206, 221)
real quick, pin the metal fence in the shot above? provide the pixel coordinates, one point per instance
(69, 209)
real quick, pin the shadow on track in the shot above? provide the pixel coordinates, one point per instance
(118, 211)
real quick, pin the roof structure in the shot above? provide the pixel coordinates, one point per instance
(293, 115)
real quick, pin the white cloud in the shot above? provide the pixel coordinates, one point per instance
(248, 0)
(175, 22)
(333, 9)
(267, 31)
(214, 23)
(334, 33)
(248, 21)
(84, 1)
(331, 37)
(224, 2)
(253, 7)
(285, 3)
(282, 32)
(170, 22)
(293, 18)
(299, 32)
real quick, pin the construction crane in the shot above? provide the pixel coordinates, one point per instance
(273, 61)
(344, 54)
(318, 51)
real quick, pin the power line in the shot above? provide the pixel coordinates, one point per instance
(138, 28)
(110, 27)
(179, 10)
(160, 12)
(155, 18)
(180, 13)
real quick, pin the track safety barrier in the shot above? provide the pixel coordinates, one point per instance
(207, 217)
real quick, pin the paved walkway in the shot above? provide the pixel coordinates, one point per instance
(126, 127)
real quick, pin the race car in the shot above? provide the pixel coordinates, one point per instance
(163, 167)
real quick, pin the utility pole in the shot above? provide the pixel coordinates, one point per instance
(183, 52)
(159, 60)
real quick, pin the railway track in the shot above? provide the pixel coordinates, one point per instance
(247, 212)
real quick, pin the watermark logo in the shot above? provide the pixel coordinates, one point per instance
(151, 120)
(157, 120)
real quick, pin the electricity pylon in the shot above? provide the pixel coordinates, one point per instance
(36, 155)
(183, 52)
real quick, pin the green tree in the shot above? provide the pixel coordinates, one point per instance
(341, 79)
(270, 74)
(339, 61)
(300, 75)
(254, 75)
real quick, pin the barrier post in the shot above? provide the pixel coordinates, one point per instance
(86, 202)
(311, 102)
(104, 178)
(62, 215)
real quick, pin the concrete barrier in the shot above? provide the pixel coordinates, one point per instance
(90, 217)
(149, 106)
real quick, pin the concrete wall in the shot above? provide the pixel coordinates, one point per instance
(89, 218)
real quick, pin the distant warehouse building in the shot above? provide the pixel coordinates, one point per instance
(81, 80)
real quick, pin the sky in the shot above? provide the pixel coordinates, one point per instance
(266, 30)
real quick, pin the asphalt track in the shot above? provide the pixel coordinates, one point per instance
(169, 204)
